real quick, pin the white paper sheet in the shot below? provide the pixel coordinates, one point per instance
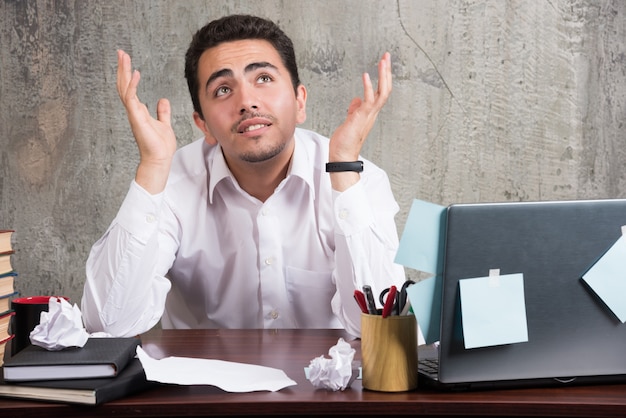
(228, 376)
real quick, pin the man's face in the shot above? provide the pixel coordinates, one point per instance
(248, 101)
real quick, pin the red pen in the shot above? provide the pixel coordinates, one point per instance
(360, 300)
(391, 298)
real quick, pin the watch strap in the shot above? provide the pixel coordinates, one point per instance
(344, 166)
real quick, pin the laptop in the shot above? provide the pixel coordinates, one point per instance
(573, 337)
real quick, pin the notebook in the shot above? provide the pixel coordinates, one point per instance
(573, 337)
(99, 357)
(81, 391)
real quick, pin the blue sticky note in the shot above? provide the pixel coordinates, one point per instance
(606, 278)
(425, 298)
(493, 310)
(422, 239)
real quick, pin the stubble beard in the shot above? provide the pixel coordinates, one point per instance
(264, 152)
(263, 155)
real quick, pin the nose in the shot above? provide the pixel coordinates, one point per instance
(248, 99)
(251, 108)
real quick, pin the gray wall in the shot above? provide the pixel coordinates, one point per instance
(493, 101)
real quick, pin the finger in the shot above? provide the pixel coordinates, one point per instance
(368, 91)
(123, 72)
(384, 77)
(164, 111)
(127, 81)
(131, 90)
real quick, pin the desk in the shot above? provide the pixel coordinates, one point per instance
(291, 351)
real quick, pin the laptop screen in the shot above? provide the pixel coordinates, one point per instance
(571, 332)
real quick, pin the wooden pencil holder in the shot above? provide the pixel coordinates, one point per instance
(389, 352)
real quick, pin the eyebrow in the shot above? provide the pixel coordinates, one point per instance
(227, 72)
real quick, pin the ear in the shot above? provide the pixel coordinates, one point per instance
(201, 124)
(301, 103)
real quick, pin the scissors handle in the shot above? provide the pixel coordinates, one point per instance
(360, 300)
(403, 297)
(390, 302)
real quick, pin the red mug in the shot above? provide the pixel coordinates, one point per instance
(27, 315)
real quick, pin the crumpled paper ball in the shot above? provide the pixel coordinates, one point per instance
(60, 327)
(337, 372)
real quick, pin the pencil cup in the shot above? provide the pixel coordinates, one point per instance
(27, 315)
(389, 352)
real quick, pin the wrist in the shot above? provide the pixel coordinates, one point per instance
(152, 177)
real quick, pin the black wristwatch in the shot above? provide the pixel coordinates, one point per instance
(344, 166)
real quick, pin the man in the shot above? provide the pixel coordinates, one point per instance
(244, 228)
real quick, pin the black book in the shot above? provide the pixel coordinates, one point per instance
(82, 391)
(99, 357)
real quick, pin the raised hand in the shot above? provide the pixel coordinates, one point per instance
(347, 140)
(155, 138)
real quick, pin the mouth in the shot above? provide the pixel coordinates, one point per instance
(253, 124)
(253, 127)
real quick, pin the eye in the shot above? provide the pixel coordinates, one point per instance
(264, 78)
(221, 90)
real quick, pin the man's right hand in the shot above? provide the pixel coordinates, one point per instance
(155, 137)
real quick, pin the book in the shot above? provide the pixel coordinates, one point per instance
(5, 301)
(82, 391)
(5, 240)
(5, 320)
(3, 346)
(5, 262)
(5, 335)
(7, 281)
(99, 357)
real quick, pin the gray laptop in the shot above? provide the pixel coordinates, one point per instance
(573, 337)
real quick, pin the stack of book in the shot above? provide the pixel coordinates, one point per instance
(7, 289)
(102, 370)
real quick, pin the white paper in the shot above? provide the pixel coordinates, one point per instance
(60, 327)
(337, 372)
(228, 376)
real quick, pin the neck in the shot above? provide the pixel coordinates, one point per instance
(261, 179)
(261, 182)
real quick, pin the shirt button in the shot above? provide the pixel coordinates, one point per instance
(343, 214)
(269, 261)
(150, 218)
(274, 315)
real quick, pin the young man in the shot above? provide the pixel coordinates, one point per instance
(247, 227)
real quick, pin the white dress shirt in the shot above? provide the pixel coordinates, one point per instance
(206, 254)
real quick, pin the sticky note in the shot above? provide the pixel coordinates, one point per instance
(421, 248)
(421, 243)
(493, 310)
(425, 298)
(607, 278)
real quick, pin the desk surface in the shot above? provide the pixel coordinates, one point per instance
(291, 351)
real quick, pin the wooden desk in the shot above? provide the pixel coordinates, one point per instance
(291, 351)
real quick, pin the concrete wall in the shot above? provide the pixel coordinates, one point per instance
(493, 100)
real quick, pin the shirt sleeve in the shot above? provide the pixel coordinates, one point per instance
(126, 287)
(366, 242)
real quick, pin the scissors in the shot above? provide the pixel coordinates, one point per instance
(400, 305)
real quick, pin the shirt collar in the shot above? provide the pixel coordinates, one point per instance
(302, 165)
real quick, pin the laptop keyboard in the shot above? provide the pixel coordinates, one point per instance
(428, 365)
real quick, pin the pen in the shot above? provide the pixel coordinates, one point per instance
(360, 300)
(390, 301)
(369, 297)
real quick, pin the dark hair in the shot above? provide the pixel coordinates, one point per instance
(236, 28)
